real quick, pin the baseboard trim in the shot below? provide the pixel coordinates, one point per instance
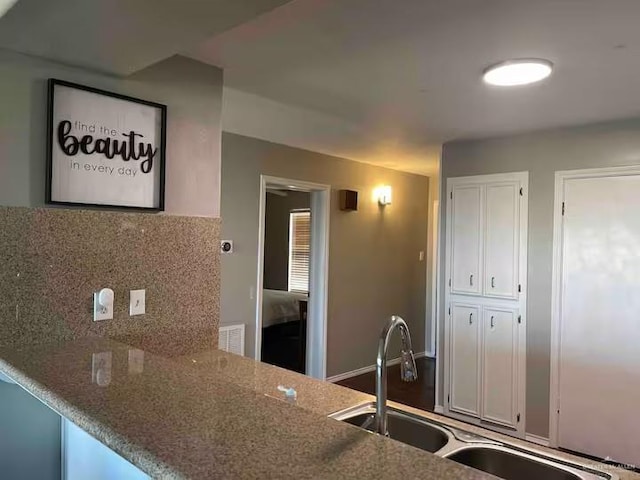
(538, 440)
(438, 409)
(352, 373)
(367, 369)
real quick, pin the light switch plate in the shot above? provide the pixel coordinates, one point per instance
(137, 302)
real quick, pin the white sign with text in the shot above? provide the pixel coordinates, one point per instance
(105, 149)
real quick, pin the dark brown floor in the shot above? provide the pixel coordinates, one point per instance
(419, 394)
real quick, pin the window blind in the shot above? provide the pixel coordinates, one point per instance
(299, 249)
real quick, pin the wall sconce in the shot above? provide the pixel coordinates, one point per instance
(383, 195)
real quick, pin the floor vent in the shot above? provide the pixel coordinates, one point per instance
(231, 339)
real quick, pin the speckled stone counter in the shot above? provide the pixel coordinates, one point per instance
(324, 398)
(54, 259)
(319, 397)
(212, 415)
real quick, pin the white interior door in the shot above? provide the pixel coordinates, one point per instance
(466, 232)
(465, 365)
(500, 365)
(501, 239)
(599, 356)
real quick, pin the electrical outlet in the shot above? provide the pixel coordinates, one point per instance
(137, 302)
(103, 305)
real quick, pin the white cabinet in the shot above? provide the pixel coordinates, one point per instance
(465, 367)
(84, 457)
(485, 294)
(501, 207)
(485, 239)
(500, 365)
(466, 224)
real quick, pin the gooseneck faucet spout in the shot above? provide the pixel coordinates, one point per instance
(408, 369)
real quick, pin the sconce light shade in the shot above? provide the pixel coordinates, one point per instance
(384, 195)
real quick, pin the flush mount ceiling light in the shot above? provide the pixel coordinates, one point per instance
(517, 72)
(5, 5)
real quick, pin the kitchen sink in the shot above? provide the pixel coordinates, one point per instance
(406, 429)
(513, 465)
(498, 458)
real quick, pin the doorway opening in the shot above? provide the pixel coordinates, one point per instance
(293, 252)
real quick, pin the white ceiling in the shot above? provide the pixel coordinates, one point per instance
(379, 81)
(119, 36)
(388, 81)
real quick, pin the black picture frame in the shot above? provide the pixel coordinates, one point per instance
(51, 84)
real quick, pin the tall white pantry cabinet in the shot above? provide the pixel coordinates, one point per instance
(485, 300)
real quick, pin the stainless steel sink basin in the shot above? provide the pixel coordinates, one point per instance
(406, 429)
(498, 458)
(514, 465)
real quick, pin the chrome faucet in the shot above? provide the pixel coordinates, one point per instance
(408, 370)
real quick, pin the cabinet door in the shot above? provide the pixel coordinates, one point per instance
(466, 241)
(500, 365)
(502, 225)
(465, 356)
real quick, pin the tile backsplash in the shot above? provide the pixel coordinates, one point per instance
(53, 260)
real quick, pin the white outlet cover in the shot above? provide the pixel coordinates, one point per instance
(137, 302)
(100, 311)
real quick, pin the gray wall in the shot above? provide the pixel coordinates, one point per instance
(374, 270)
(191, 90)
(193, 94)
(276, 236)
(543, 153)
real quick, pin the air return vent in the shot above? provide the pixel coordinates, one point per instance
(231, 339)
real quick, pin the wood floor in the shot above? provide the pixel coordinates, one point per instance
(419, 394)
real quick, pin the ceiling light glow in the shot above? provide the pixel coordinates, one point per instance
(517, 72)
(5, 5)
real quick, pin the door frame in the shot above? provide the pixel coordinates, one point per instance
(438, 299)
(432, 280)
(483, 302)
(561, 178)
(316, 363)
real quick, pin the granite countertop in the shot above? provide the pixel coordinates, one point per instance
(216, 415)
(325, 398)
(213, 415)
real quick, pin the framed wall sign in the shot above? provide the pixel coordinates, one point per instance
(104, 149)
